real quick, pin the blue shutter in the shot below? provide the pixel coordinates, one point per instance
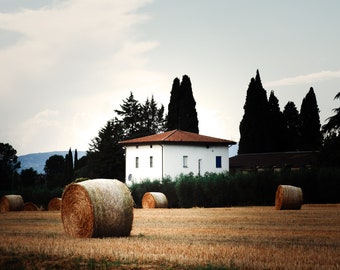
(218, 162)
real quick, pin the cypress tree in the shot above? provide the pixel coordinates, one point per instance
(311, 137)
(292, 121)
(276, 126)
(68, 167)
(188, 113)
(253, 126)
(173, 107)
(75, 165)
(182, 112)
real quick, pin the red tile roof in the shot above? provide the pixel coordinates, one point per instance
(178, 137)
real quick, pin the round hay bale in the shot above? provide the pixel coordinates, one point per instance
(29, 206)
(288, 197)
(11, 203)
(54, 204)
(97, 208)
(154, 200)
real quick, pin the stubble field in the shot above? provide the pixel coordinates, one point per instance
(196, 238)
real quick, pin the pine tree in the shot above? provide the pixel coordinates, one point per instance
(138, 120)
(311, 137)
(131, 117)
(333, 122)
(152, 118)
(105, 155)
(253, 126)
(330, 154)
(182, 112)
(276, 126)
(292, 121)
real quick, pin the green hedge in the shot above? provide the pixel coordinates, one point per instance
(219, 190)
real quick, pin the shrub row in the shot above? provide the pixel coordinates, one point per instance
(219, 190)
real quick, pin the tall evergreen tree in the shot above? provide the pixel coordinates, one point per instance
(105, 155)
(174, 106)
(130, 117)
(75, 164)
(276, 126)
(253, 126)
(152, 120)
(138, 120)
(68, 168)
(311, 137)
(292, 121)
(182, 112)
(188, 113)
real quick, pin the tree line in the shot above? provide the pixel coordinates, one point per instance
(105, 156)
(263, 128)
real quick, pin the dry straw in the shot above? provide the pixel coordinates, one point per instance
(288, 197)
(154, 200)
(97, 208)
(29, 206)
(11, 203)
(54, 204)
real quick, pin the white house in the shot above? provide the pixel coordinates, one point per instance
(172, 153)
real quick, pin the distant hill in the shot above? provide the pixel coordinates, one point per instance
(37, 160)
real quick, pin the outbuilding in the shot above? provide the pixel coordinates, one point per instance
(172, 153)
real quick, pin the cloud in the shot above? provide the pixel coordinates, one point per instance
(78, 58)
(308, 78)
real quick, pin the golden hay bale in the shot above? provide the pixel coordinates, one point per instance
(54, 204)
(29, 206)
(97, 208)
(154, 200)
(288, 197)
(11, 203)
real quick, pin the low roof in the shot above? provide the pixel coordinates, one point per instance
(178, 137)
(277, 159)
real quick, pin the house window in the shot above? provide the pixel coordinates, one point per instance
(185, 161)
(151, 161)
(137, 162)
(218, 162)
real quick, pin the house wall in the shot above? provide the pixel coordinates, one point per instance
(206, 155)
(200, 159)
(143, 152)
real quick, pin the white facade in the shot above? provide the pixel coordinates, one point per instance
(157, 161)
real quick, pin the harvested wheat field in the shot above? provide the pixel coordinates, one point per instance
(197, 238)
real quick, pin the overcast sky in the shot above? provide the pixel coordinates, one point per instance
(66, 65)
